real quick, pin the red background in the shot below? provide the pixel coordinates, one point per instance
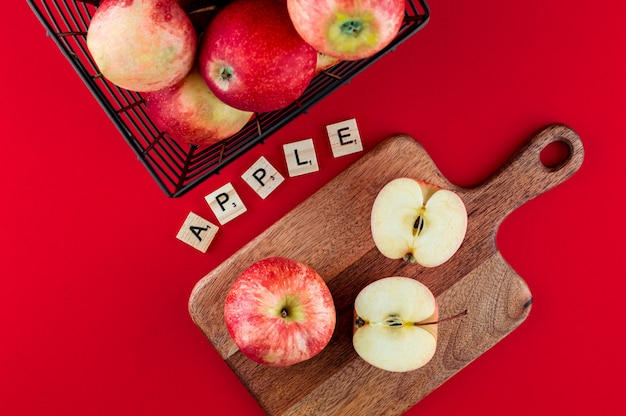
(94, 285)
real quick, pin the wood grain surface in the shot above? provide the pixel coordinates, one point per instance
(331, 232)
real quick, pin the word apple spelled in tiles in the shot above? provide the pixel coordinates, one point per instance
(264, 178)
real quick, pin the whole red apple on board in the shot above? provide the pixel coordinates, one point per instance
(142, 45)
(280, 312)
(253, 59)
(347, 29)
(190, 113)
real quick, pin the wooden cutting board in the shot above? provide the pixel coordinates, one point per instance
(330, 231)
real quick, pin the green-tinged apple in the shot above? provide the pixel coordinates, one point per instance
(347, 29)
(253, 59)
(190, 113)
(142, 45)
(279, 312)
(418, 222)
(395, 325)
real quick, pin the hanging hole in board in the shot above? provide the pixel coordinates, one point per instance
(555, 154)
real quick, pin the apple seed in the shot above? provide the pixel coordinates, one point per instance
(418, 225)
(393, 321)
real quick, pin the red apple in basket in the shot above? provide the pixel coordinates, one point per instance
(142, 45)
(279, 312)
(418, 222)
(395, 325)
(190, 113)
(347, 29)
(253, 59)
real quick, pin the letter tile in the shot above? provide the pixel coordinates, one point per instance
(344, 138)
(300, 157)
(263, 177)
(225, 203)
(197, 232)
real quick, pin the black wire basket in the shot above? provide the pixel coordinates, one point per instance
(175, 167)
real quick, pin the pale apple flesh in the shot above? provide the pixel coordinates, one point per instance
(280, 312)
(142, 45)
(395, 326)
(324, 62)
(418, 222)
(346, 29)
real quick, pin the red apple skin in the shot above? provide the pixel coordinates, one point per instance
(253, 59)
(252, 312)
(190, 113)
(317, 21)
(142, 45)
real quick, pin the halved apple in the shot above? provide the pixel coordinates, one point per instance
(395, 325)
(418, 222)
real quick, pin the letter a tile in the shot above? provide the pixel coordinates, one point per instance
(263, 177)
(225, 203)
(197, 232)
(344, 138)
(300, 157)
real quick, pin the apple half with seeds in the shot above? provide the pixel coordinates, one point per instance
(418, 222)
(395, 325)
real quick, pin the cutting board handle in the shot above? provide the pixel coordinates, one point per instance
(524, 176)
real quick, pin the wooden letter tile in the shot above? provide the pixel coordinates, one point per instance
(300, 157)
(225, 203)
(263, 177)
(344, 138)
(197, 232)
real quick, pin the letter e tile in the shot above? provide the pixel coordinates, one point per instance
(344, 138)
(197, 232)
(263, 177)
(225, 203)
(300, 157)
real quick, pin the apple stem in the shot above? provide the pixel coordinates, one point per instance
(202, 9)
(449, 318)
(409, 257)
(284, 313)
